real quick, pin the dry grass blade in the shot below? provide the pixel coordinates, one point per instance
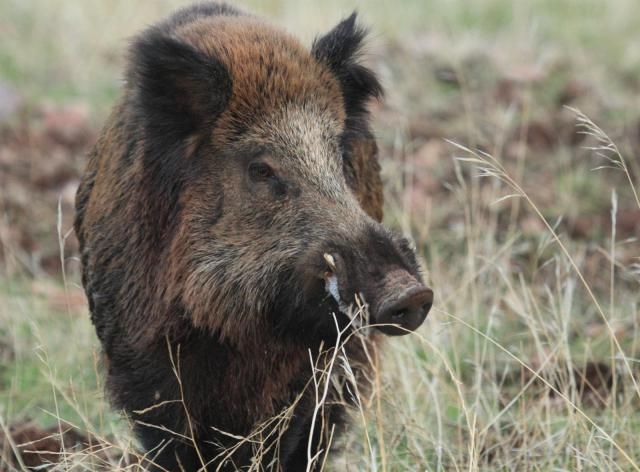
(606, 148)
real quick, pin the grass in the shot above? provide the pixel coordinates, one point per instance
(44, 342)
(530, 359)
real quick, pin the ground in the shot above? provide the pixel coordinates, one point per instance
(509, 137)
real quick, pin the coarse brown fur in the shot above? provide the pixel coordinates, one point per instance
(234, 160)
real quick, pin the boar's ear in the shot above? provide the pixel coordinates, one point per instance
(340, 49)
(179, 90)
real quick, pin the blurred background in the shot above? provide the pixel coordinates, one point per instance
(509, 138)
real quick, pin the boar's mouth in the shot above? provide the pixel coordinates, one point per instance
(358, 315)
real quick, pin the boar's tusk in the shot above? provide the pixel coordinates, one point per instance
(330, 261)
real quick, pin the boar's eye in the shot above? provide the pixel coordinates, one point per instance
(260, 171)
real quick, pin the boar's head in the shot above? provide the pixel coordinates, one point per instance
(249, 196)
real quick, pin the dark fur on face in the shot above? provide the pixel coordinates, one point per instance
(234, 162)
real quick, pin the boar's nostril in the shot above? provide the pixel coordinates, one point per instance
(407, 311)
(399, 313)
(427, 306)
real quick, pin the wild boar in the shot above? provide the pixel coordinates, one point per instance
(228, 217)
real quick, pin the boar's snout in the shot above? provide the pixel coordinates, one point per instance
(383, 270)
(403, 305)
